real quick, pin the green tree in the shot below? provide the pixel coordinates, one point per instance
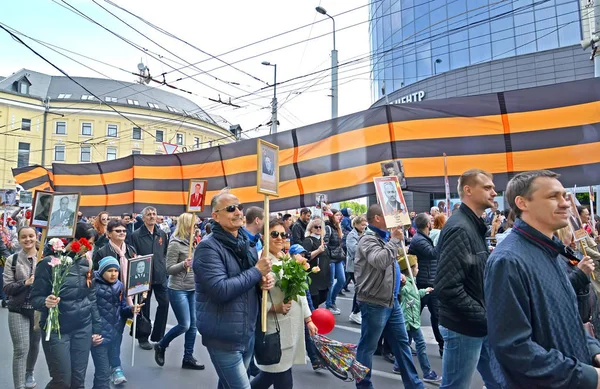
(357, 208)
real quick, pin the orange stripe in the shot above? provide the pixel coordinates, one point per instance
(32, 174)
(570, 116)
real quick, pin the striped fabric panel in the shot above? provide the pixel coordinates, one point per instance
(553, 127)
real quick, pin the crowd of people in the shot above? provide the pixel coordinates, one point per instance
(472, 270)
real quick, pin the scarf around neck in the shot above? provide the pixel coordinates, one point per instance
(239, 245)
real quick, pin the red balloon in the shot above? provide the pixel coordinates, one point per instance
(324, 320)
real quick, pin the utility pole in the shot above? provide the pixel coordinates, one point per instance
(46, 109)
(274, 102)
(334, 68)
(594, 38)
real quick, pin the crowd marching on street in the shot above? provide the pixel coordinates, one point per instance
(511, 294)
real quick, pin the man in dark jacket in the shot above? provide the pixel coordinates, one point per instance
(227, 275)
(150, 239)
(299, 228)
(378, 282)
(533, 322)
(463, 253)
(422, 246)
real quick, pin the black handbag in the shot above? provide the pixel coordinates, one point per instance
(267, 347)
(143, 327)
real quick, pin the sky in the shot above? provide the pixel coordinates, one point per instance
(215, 27)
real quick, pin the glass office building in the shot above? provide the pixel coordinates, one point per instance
(414, 40)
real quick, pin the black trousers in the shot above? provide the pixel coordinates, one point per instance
(433, 305)
(281, 380)
(349, 277)
(162, 311)
(67, 358)
(320, 298)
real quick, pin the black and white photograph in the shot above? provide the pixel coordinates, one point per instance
(267, 178)
(139, 272)
(391, 199)
(63, 215)
(25, 199)
(320, 200)
(42, 202)
(579, 233)
(394, 168)
(9, 197)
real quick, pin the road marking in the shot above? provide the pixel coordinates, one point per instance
(426, 330)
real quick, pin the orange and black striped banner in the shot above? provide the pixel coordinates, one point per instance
(552, 127)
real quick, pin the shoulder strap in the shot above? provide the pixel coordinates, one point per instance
(13, 264)
(274, 314)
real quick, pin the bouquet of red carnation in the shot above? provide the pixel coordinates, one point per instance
(291, 276)
(61, 263)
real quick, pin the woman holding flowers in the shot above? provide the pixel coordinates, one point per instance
(63, 292)
(18, 278)
(289, 307)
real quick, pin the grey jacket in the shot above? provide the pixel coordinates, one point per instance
(180, 278)
(351, 245)
(374, 269)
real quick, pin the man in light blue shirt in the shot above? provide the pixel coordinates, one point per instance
(254, 225)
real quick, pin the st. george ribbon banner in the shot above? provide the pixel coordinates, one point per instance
(551, 127)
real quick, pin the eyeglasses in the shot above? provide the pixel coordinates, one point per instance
(104, 219)
(317, 227)
(275, 235)
(230, 208)
(119, 231)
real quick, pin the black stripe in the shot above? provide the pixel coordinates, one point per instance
(507, 135)
(183, 183)
(104, 185)
(223, 166)
(388, 114)
(296, 169)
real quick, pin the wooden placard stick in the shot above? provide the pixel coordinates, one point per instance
(585, 254)
(42, 244)
(192, 230)
(263, 311)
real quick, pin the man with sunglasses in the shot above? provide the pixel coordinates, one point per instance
(255, 217)
(229, 278)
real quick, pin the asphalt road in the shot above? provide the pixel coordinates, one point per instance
(147, 374)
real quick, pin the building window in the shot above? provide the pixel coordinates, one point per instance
(173, 109)
(86, 128)
(111, 153)
(137, 133)
(87, 97)
(153, 105)
(136, 152)
(61, 128)
(64, 96)
(180, 139)
(160, 134)
(112, 130)
(23, 156)
(23, 88)
(196, 142)
(86, 154)
(26, 124)
(59, 153)
(133, 102)
(109, 99)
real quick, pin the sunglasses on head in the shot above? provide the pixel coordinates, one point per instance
(276, 234)
(231, 208)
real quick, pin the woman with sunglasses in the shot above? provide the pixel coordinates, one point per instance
(337, 256)
(291, 318)
(313, 244)
(181, 290)
(116, 247)
(100, 224)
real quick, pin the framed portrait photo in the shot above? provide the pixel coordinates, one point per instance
(391, 200)
(394, 168)
(320, 200)
(579, 233)
(40, 213)
(267, 175)
(63, 215)
(139, 275)
(196, 195)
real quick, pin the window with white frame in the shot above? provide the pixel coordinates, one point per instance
(109, 99)
(86, 154)
(64, 96)
(111, 153)
(26, 124)
(173, 109)
(180, 139)
(86, 129)
(133, 102)
(87, 97)
(196, 142)
(137, 133)
(23, 155)
(160, 135)
(60, 128)
(112, 130)
(59, 153)
(153, 105)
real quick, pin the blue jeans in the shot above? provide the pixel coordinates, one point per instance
(114, 354)
(378, 320)
(417, 336)
(2, 295)
(232, 366)
(462, 355)
(104, 356)
(184, 307)
(336, 271)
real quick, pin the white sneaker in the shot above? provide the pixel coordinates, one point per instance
(356, 318)
(334, 310)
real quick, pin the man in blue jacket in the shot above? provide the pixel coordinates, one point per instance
(228, 276)
(534, 327)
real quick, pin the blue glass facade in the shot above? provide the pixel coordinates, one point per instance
(415, 39)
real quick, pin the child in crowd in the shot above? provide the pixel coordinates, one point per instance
(411, 307)
(113, 310)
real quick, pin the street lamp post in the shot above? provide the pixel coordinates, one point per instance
(435, 65)
(274, 103)
(334, 68)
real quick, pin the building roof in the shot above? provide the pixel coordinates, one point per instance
(60, 88)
